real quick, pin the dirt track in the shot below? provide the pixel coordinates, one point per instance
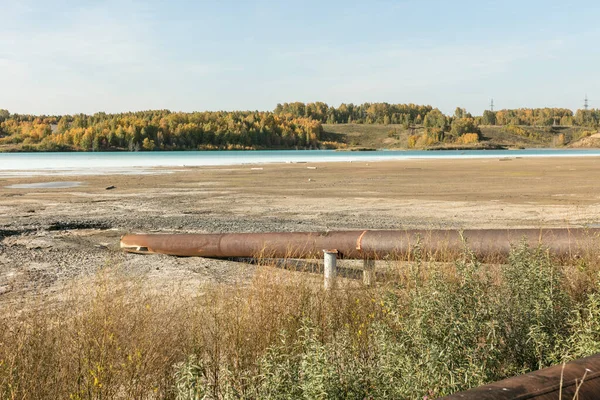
(50, 236)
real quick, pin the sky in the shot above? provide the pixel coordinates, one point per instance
(67, 56)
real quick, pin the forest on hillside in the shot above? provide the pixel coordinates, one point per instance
(290, 126)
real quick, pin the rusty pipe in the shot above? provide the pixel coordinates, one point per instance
(360, 244)
(544, 384)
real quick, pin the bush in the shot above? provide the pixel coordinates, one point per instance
(517, 130)
(148, 144)
(584, 327)
(329, 145)
(412, 141)
(436, 333)
(468, 138)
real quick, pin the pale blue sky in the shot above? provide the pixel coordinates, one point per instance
(67, 56)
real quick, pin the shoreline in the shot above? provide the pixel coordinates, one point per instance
(98, 161)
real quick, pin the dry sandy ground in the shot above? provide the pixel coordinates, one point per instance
(49, 237)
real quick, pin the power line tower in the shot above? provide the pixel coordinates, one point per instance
(492, 105)
(585, 103)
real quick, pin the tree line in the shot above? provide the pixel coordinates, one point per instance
(385, 113)
(542, 117)
(290, 125)
(159, 130)
(366, 113)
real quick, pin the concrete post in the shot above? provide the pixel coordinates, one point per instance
(368, 272)
(330, 272)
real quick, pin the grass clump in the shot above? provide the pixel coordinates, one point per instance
(431, 330)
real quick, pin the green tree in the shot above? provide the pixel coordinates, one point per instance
(587, 118)
(566, 120)
(461, 126)
(63, 125)
(4, 115)
(489, 118)
(87, 140)
(459, 112)
(435, 119)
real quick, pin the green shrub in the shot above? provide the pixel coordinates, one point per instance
(584, 331)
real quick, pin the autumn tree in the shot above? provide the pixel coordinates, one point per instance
(148, 144)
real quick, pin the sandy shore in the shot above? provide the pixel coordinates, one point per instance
(51, 236)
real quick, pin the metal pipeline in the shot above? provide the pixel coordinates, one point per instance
(362, 244)
(544, 384)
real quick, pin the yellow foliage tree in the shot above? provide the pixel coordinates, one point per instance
(468, 138)
(148, 144)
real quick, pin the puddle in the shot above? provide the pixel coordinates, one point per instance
(45, 185)
(85, 172)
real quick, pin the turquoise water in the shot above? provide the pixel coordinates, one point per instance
(26, 164)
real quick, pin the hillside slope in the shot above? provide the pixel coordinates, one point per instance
(373, 136)
(587, 141)
(377, 136)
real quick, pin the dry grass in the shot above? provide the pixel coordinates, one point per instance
(426, 329)
(116, 339)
